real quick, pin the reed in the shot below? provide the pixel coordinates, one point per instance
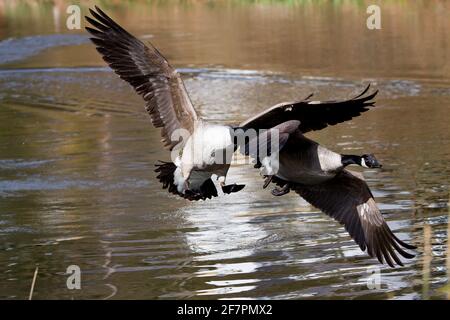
(33, 283)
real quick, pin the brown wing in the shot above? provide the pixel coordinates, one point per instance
(263, 145)
(313, 115)
(148, 72)
(348, 199)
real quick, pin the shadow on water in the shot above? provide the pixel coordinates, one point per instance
(77, 151)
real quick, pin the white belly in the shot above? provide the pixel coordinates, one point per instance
(208, 151)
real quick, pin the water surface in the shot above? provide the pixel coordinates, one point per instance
(77, 150)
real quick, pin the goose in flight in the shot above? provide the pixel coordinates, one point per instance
(193, 142)
(319, 175)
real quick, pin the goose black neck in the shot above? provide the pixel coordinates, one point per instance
(348, 159)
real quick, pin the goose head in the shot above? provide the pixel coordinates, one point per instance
(369, 161)
(365, 161)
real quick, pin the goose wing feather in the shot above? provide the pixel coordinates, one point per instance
(270, 141)
(348, 199)
(144, 68)
(313, 115)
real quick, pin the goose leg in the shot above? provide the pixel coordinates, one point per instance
(281, 192)
(267, 181)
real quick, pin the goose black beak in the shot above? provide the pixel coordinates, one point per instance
(371, 161)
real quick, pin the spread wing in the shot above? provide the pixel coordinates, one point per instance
(313, 115)
(148, 72)
(348, 199)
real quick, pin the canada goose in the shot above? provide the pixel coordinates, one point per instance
(319, 176)
(170, 108)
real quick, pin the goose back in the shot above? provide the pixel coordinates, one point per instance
(304, 161)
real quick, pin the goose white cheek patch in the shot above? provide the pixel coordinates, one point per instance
(363, 163)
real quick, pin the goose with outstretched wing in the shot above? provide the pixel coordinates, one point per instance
(194, 141)
(319, 175)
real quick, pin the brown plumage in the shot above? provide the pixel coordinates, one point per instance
(318, 175)
(169, 106)
(148, 72)
(348, 199)
(313, 115)
(344, 195)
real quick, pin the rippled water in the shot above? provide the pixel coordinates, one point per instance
(77, 150)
